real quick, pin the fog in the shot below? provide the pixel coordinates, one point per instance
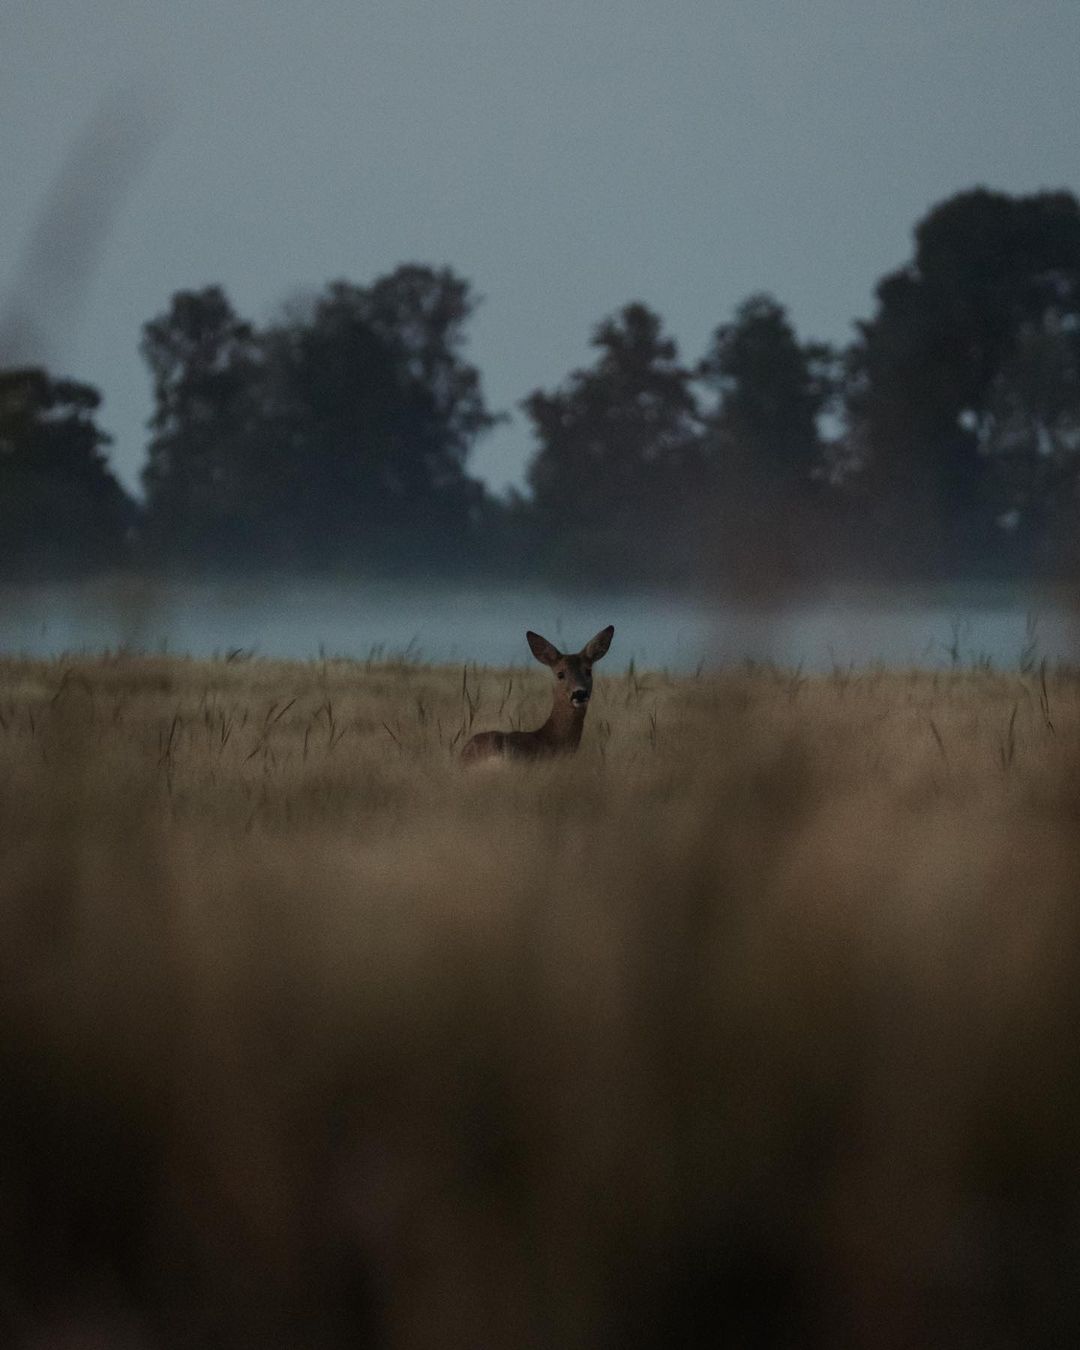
(303, 620)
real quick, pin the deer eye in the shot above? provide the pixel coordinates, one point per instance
(562, 674)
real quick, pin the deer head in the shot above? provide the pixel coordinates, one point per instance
(573, 674)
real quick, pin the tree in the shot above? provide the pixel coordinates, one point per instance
(772, 391)
(205, 364)
(764, 452)
(618, 449)
(380, 413)
(61, 509)
(927, 372)
(421, 313)
(337, 437)
(1030, 433)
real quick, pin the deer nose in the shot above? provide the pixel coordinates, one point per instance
(579, 696)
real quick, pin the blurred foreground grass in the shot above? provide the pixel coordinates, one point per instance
(755, 1023)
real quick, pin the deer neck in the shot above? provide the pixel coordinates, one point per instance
(563, 727)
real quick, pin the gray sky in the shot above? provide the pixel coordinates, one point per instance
(566, 156)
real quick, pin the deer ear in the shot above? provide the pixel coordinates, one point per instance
(596, 647)
(542, 649)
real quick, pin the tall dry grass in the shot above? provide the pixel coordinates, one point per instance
(752, 1024)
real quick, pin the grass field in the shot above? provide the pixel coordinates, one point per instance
(755, 1023)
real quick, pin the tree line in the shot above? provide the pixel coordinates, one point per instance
(944, 440)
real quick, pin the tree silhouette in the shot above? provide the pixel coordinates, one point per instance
(421, 314)
(62, 512)
(618, 450)
(337, 437)
(764, 451)
(379, 413)
(205, 362)
(1030, 432)
(771, 390)
(929, 370)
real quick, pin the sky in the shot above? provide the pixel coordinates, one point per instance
(566, 157)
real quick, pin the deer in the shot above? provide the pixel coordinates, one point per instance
(561, 733)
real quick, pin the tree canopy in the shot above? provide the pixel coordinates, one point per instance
(335, 437)
(617, 445)
(205, 363)
(936, 374)
(771, 391)
(61, 509)
(944, 441)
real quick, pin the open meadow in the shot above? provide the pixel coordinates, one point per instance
(754, 1023)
